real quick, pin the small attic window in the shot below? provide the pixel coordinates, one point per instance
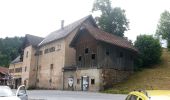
(51, 66)
(79, 58)
(93, 56)
(107, 52)
(86, 50)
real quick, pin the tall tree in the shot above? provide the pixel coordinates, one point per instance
(163, 28)
(112, 20)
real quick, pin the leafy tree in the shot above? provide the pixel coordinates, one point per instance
(9, 50)
(150, 50)
(112, 20)
(163, 28)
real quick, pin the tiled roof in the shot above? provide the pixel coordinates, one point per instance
(3, 70)
(61, 33)
(100, 35)
(16, 60)
(33, 40)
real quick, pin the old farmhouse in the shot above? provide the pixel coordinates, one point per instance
(78, 56)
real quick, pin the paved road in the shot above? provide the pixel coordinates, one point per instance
(71, 95)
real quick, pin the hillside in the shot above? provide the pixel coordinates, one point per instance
(157, 77)
(9, 49)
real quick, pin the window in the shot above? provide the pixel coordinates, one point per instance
(132, 97)
(78, 81)
(25, 68)
(79, 58)
(39, 67)
(52, 49)
(37, 80)
(51, 66)
(140, 98)
(86, 50)
(27, 54)
(120, 55)
(40, 52)
(93, 56)
(107, 52)
(50, 80)
(92, 81)
(18, 70)
(46, 51)
(11, 70)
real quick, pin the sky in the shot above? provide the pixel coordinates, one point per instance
(41, 17)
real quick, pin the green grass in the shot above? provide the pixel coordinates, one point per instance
(157, 77)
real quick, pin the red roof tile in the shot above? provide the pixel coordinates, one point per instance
(3, 70)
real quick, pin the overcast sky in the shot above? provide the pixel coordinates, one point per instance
(40, 17)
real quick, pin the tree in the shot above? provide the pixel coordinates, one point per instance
(163, 28)
(112, 20)
(150, 50)
(9, 50)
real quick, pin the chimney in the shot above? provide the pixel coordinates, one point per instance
(62, 24)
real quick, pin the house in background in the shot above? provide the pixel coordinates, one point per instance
(101, 60)
(4, 75)
(15, 70)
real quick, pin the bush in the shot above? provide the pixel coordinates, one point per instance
(149, 50)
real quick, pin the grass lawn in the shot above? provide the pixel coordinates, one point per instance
(157, 78)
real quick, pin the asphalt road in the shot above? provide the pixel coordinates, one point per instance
(71, 95)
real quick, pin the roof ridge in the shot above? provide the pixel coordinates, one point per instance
(16, 60)
(109, 38)
(60, 33)
(33, 35)
(105, 32)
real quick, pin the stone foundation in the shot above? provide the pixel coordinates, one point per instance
(111, 76)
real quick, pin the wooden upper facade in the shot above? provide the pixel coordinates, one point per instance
(94, 53)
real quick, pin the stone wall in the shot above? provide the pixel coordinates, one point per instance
(77, 76)
(92, 74)
(28, 68)
(111, 76)
(50, 66)
(67, 75)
